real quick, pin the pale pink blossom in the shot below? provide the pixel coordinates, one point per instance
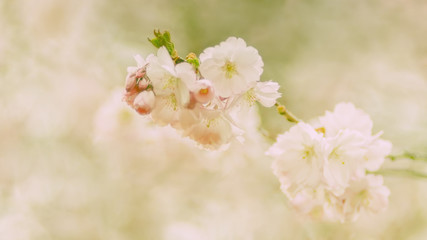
(346, 116)
(203, 91)
(323, 169)
(299, 158)
(364, 195)
(345, 154)
(209, 129)
(232, 66)
(265, 93)
(170, 79)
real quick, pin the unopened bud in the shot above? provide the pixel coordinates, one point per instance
(144, 102)
(140, 73)
(130, 82)
(130, 96)
(281, 109)
(143, 84)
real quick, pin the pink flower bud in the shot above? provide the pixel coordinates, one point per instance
(203, 91)
(130, 96)
(144, 102)
(130, 82)
(143, 84)
(140, 73)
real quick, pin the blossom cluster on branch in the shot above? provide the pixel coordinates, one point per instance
(322, 166)
(199, 97)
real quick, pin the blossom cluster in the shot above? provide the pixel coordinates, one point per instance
(323, 167)
(200, 97)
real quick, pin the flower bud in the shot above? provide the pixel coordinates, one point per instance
(203, 91)
(140, 73)
(130, 82)
(143, 84)
(144, 102)
(129, 96)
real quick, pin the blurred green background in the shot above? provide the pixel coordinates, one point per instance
(76, 163)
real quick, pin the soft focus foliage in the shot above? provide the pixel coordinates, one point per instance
(75, 163)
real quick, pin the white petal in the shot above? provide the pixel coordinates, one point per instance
(139, 61)
(165, 60)
(207, 53)
(166, 111)
(182, 93)
(245, 66)
(186, 73)
(267, 93)
(346, 116)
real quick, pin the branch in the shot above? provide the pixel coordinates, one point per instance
(408, 155)
(401, 173)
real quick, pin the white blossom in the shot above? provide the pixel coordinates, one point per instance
(346, 116)
(200, 100)
(265, 93)
(365, 195)
(168, 79)
(316, 203)
(232, 66)
(299, 158)
(322, 169)
(166, 110)
(345, 153)
(210, 129)
(377, 151)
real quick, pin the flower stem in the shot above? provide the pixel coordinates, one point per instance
(286, 113)
(408, 155)
(401, 172)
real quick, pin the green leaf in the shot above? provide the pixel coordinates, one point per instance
(163, 39)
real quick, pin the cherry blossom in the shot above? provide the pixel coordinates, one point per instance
(232, 66)
(322, 167)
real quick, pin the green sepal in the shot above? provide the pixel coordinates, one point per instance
(179, 60)
(193, 60)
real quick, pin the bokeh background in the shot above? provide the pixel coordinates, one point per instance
(76, 163)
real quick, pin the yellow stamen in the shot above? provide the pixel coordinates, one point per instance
(204, 91)
(321, 130)
(229, 68)
(170, 83)
(172, 102)
(308, 154)
(251, 97)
